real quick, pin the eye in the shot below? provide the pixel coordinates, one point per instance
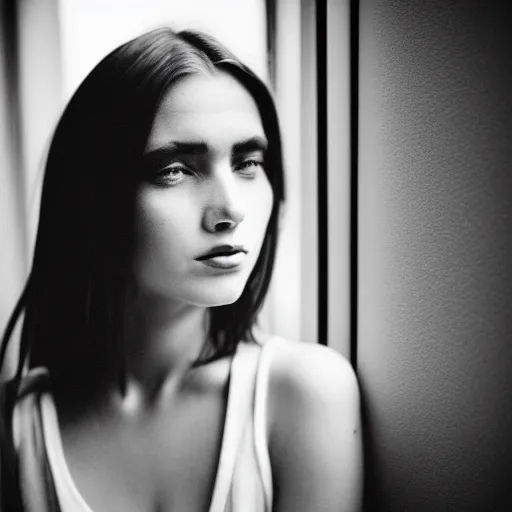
(171, 175)
(248, 167)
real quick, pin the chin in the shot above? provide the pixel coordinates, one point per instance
(218, 297)
(220, 291)
(206, 294)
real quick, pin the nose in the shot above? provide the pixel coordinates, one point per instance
(223, 212)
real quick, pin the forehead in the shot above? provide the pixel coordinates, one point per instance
(213, 108)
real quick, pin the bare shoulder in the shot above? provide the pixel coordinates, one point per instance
(312, 372)
(314, 428)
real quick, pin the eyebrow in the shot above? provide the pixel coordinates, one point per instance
(250, 145)
(178, 148)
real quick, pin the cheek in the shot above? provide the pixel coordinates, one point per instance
(163, 229)
(260, 204)
(265, 203)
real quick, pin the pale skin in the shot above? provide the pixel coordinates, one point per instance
(157, 447)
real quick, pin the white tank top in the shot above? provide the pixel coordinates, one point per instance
(243, 482)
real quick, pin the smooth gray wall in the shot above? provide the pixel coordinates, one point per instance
(435, 254)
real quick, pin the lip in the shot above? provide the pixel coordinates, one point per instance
(224, 257)
(221, 252)
(231, 262)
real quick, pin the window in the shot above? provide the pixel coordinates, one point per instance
(60, 41)
(313, 291)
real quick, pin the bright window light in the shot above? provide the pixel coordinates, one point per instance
(92, 28)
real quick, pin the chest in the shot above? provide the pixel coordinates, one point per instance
(164, 463)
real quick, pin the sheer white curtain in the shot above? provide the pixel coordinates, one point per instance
(12, 216)
(30, 101)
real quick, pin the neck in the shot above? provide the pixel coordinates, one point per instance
(163, 340)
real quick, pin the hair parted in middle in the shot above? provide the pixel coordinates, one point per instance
(75, 295)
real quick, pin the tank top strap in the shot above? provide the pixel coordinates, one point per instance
(260, 419)
(36, 482)
(238, 413)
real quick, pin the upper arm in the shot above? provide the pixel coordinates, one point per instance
(315, 431)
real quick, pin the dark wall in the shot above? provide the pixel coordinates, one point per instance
(435, 253)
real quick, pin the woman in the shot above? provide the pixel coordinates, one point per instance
(141, 385)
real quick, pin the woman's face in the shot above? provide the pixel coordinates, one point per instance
(204, 189)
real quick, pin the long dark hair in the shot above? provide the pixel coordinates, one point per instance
(73, 302)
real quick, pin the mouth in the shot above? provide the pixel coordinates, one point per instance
(222, 250)
(223, 256)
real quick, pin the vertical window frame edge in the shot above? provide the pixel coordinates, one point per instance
(354, 175)
(322, 171)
